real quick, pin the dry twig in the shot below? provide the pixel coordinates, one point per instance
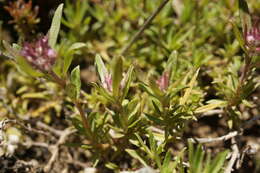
(222, 138)
(234, 156)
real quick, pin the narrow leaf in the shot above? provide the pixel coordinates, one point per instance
(188, 90)
(69, 55)
(101, 68)
(135, 155)
(75, 80)
(210, 106)
(55, 26)
(117, 75)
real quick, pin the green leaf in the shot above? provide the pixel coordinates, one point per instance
(154, 119)
(112, 166)
(144, 147)
(135, 155)
(188, 10)
(104, 92)
(156, 107)
(71, 91)
(101, 68)
(218, 162)
(244, 14)
(210, 106)
(146, 88)
(117, 75)
(166, 163)
(12, 52)
(55, 26)
(172, 64)
(69, 56)
(24, 66)
(127, 81)
(239, 36)
(156, 90)
(187, 93)
(75, 80)
(198, 159)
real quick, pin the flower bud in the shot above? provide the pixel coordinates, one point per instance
(163, 81)
(252, 37)
(107, 83)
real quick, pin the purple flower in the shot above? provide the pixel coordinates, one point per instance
(252, 37)
(39, 54)
(163, 81)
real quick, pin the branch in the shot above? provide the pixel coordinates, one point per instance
(234, 156)
(144, 26)
(222, 138)
(50, 129)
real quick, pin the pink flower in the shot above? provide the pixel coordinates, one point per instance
(39, 54)
(163, 81)
(252, 37)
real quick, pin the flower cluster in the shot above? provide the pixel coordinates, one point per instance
(39, 54)
(252, 37)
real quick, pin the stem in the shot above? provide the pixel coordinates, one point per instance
(82, 114)
(57, 79)
(62, 83)
(144, 26)
(242, 80)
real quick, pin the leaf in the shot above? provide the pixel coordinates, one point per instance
(112, 166)
(55, 26)
(218, 162)
(198, 159)
(38, 95)
(244, 14)
(135, 155)
(239, 36)
(156, 90)
(155, 119)
(166, 163)
(12, 52)
(156, 107)
(127, 81)
(117, 75)
(143, 146)
(69, 56)
(24, 66)
(208, 107)
(187, 93)
(71, 91)
(104, 92)
(75, 46)
(146, 88)
(172, 64)
(75, 80)
(101, 68)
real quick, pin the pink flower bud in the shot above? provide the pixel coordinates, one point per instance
(163, 81)
(107, 83)
(39, 54)
(252, 37)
